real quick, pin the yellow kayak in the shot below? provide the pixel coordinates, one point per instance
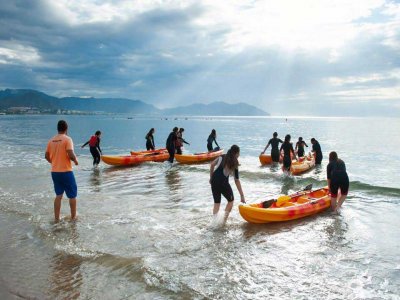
(198, 157)
(130, 160)
(292, 207)
(143, 152)
(303, 165)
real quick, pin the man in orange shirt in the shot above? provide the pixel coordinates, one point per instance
(60, 153)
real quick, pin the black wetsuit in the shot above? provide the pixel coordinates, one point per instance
(220, 183)
(150, 142)
(274, 142)
(318, 153)
(171, 146)
(300, 148)
(94, 149)
(210, 141)
(287, 158)
(336, 172)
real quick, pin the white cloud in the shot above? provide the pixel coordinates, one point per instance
(14, 53)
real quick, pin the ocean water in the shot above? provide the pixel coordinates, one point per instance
(146, 232)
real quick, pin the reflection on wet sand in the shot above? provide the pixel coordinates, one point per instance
(96, 180)
(66, 277)
(173, 181)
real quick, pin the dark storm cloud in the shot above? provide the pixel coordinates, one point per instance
(161, 56)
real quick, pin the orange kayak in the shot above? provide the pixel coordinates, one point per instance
(293, 207)
(265, 159)
(198, 157)
(303, 165)
(143, 152)
(130, 160)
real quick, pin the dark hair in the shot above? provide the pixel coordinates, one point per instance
(98, 132)
(313, 140)
(181, 129)
(213, 132)
(287, 138)
(175, 129)
(300, 138)
(62, 126)
(275, 134)
(151, 131)
(230, 159)
(333, 156)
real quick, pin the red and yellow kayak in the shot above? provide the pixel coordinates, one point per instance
(303, 165)
(130, 160)
(291, 207)
(198, 157)
(143, 152)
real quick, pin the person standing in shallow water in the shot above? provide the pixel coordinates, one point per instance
(274, 142)
(60, 153)
(220, 169)
(300, 147)
(316, 148)
(337, 179)
(150, 140)
(212, 138)
(94, 144)
(288, 153)
(171, 144)
(180, 141)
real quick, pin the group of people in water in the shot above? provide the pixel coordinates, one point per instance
(288, 152)
(60, 153)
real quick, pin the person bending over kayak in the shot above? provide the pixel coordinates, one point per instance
(94, 146)
(274, 142)
(171, 144)
(288, 151)
(337, 179)
(212, 138)
(180, 141)
(150, 140)
(316, 148)
(220, 170)
(300, 147)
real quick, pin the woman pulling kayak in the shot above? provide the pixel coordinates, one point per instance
(180, 141)
(274, 142)
(288, 151)
(220, 170)
(94, 144)
(171, 144)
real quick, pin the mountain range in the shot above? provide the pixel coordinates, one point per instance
(12, 98)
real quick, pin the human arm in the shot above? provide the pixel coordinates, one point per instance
(239, 187)
(305, 144)
(85, 144)
(266, 147)
(216, 142)
(183, 141)
(72, 156)
(212, 167)
(47, 156)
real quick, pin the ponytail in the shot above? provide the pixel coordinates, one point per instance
(230, 160)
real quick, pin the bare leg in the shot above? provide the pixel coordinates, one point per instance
(57, 208)
(72, 205)
(228, 209)
(340, 202)
(333, 204)
(216, 208)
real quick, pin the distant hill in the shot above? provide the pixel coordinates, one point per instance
(10, 98)
(217, 109)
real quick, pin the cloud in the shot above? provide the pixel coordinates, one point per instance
(284, 56)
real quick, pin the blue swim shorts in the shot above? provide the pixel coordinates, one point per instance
(65, 182)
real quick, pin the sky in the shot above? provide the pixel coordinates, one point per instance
(309, 57)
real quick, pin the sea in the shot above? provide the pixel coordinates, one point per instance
(147, 231)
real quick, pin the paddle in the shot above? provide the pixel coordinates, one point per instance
(286, 198)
